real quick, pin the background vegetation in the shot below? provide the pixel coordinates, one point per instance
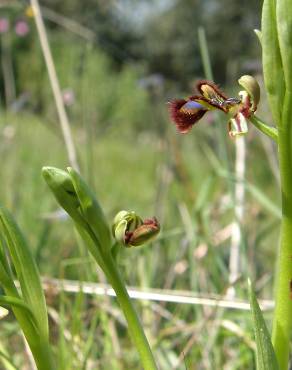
(117, 74)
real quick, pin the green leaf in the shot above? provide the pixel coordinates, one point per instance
(284, 28)
(272, 63)
(91, 211)
(7, 282)
(265, 355)
(19, 303)
(7, 362)
(26, 270)
(24, 316)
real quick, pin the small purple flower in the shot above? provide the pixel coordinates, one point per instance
(4, 25)
(21, 28)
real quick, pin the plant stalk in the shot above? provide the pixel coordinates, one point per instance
(282, 322)
(109, 267)
(134, 325)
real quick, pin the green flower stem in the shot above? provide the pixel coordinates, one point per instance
(272, 132)
(282, 322)
(134, 325)
(106, 261)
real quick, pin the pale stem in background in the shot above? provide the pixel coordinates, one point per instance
(239, 192)
(8, 76)
(158, 295)
(64, 122)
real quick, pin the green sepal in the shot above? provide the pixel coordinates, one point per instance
(120, 231)
(251, 86)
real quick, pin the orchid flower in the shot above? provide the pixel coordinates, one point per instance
(186, 112)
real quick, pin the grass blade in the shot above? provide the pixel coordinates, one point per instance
(26, 270)
(16, 302)
(265, 355)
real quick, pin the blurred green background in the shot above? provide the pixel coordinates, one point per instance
(119, 63)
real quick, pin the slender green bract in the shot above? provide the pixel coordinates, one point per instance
(272, 132)
(78, 200)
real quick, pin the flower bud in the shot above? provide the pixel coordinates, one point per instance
(130, 230)
(252, 87)
(125, 222)
(79, 202)
(62, 187)
(144, 233)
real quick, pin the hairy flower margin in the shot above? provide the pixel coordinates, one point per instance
(186, 112)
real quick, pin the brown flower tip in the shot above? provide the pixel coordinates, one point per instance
(185, 113)
(143, 234)
(151, 221)
(212, 93)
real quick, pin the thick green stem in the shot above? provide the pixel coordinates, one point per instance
(282, 323)
(134, 325)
